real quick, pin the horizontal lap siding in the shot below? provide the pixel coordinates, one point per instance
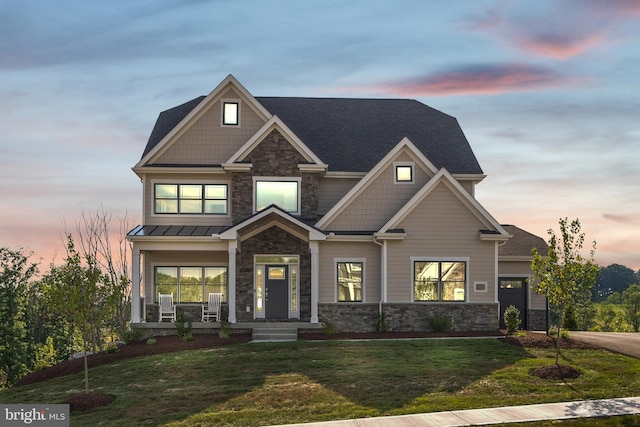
(441, 226)
(348, 250)
(377, 203)
(207, 141)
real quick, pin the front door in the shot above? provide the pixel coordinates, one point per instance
(276, 292)
(513, 291)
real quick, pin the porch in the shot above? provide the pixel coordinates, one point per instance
(260, 330)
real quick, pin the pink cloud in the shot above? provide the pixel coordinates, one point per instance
(558, 45)
(564, 30)
(477, 80)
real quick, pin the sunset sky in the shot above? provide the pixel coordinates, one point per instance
(547, 93)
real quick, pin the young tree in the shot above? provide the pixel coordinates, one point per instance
(79, 291)
(631, 302)
(564, 276)
(15, 273)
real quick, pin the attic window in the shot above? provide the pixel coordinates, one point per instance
(230, 113)
(403, 173)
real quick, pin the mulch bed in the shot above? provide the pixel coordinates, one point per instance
(168, 344)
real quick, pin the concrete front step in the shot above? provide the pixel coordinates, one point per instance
(272, 334)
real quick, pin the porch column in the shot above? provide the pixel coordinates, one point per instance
(231, 294)
(314, 249)
(135, 286)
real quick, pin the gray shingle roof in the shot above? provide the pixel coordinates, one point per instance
(353, 134)
(521, 243)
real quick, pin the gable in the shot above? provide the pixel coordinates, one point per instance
(370, 207)
(377, 196)
(465, 202)
(272, 127)
(193, 134)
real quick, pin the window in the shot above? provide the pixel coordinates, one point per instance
(191, 284)
(283, 194)
(230, 113)
(349, 281)
(403, 172)
(439, 280)
(191, 199)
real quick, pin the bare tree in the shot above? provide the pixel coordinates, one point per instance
(95, 233)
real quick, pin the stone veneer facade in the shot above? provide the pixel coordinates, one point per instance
(273, 241)
(274, 157)
(409, 316)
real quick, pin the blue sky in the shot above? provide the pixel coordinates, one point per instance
(547, 92)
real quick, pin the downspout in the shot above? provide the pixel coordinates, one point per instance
(383, 272)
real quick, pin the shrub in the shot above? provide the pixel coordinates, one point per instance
(183, 326)
(152, 341)
(382, 323)
(133, 335)
(112, 348)
(225, 330)
(511, 319)
(440, 323)
(328, 329)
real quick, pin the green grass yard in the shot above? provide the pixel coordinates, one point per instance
(273, 383)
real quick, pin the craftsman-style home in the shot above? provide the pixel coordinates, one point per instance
(311, 211)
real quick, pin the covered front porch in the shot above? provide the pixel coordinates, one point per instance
(256, 256)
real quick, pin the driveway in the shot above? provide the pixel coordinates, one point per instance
(627, 343)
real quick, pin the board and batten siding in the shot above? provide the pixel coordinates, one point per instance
(441, 226)
(207, 142)
(329, 251)
(522, 269)
(380, 200)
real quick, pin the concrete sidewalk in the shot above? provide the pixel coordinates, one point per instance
(510, 414)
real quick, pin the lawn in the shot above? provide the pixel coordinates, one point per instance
(273, 383)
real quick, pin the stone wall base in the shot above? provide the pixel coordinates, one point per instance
(192, 312)
(409, 316)
(537, 320)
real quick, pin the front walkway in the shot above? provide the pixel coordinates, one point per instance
(510, 414)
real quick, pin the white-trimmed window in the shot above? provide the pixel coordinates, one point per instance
(277, 191)
(439, 280)
(350, 280)
(190, 284)
(230, 113)
(191, 199)
(404, 172)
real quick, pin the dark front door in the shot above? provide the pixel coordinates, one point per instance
(513, 291)
(276, 293)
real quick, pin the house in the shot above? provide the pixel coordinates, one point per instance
(321, 210)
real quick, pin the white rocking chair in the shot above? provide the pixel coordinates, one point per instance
(211, 310)
(166, 307)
